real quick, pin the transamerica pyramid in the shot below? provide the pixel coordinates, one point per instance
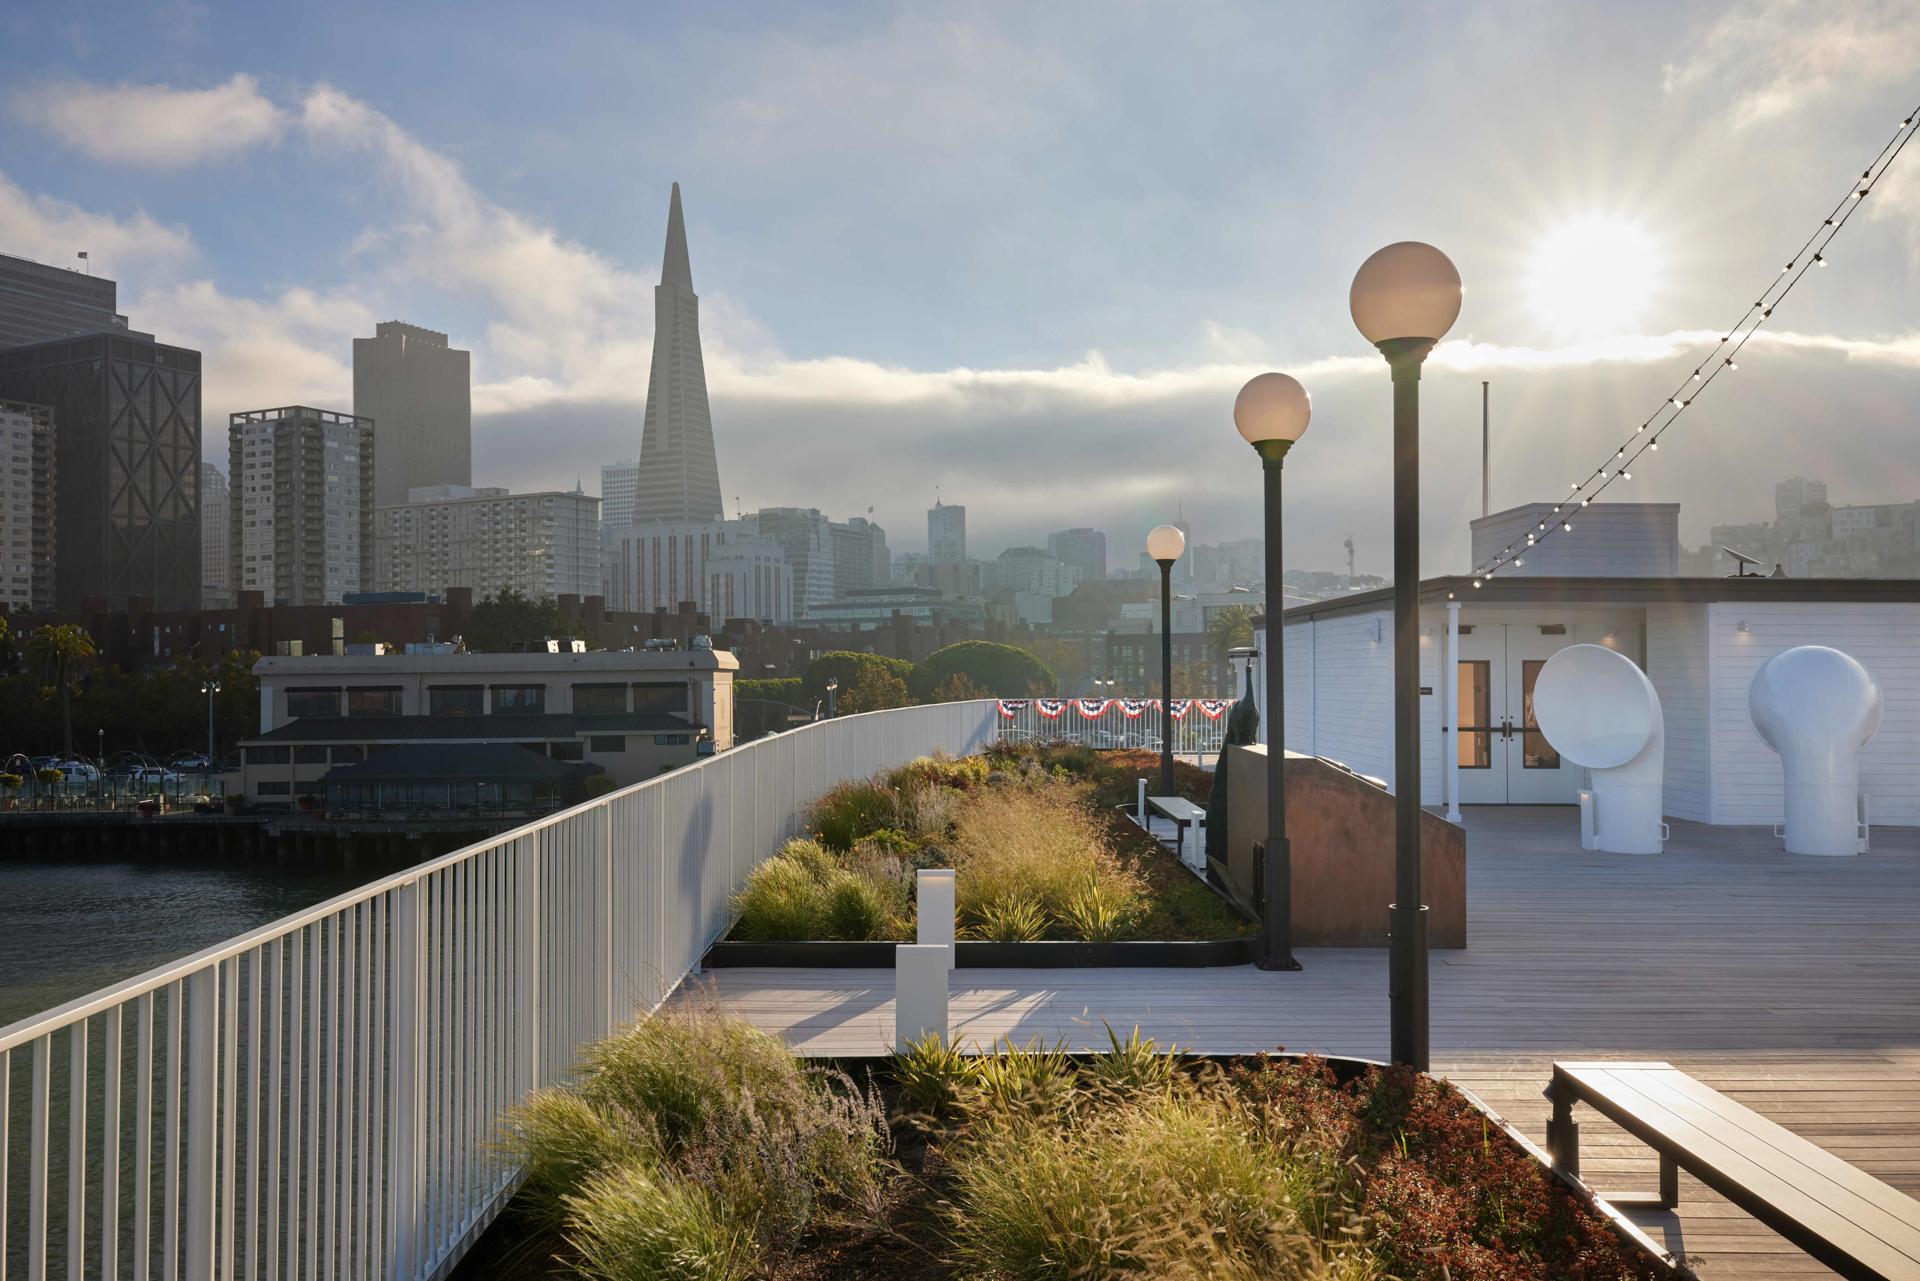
(679, 477)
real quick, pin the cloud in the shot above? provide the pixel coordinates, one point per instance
(53, 231)
(153, 126)
(1773, 57)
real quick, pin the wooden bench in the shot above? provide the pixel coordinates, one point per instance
(1848, 1220)
(1182, 813)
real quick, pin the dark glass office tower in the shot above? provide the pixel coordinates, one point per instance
(126, 422)
(38, 302)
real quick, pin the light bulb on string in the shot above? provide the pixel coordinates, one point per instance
(1567, 526)
(1819, 260)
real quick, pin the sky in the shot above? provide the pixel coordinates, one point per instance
(1021, 255)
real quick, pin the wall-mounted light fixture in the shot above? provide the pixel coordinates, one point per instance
(1743, 625)
(1374, 628)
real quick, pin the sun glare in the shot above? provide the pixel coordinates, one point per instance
(1594, 277)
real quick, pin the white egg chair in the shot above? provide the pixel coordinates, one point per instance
(1817, 707)
(1599, 710)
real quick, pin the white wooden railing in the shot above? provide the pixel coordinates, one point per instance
(320, 1097)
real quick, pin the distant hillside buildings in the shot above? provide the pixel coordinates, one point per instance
(1810, 538)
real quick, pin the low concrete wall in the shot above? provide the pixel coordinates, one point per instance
(1341, 828)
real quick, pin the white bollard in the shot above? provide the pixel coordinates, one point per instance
(1589, 821)
(1142, 803)
(919, 992)
(933, 907)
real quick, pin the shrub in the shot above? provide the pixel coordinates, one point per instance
(806, 892)
(599, 785)
(1038, 845)
(1099, 915)
(1004, 671)
(857, 907)
(847, 667)
(1130, 1066)
(49, 776)
(1022, 1083)
(12, 782)
(639, 1224)
(942, 771)
(1010, 920)
(685, 1066)
(560, 1141)
(931, 1078)
(848, 811)
(782, 901)
(1169, 1186)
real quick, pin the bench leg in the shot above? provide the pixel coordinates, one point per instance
(1563, 1135)
(1669, 1182)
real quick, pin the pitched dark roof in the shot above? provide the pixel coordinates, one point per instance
(479, 729)
(456, 762)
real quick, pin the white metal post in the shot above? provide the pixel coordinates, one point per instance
(406, 1160)
(203, 996)
(1450, 686)
(527, 906)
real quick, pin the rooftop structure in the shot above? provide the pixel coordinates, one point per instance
(1637, 540)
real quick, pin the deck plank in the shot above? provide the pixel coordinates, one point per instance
(1791, 984)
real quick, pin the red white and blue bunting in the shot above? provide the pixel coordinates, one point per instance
(1050, 707)
(1214, 708)
(1134, 708)
(1012, 707)
(1092, 708)
(1179, 708)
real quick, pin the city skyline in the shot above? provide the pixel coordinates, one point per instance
(916, 329)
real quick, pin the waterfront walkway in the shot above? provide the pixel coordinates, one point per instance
(1791, 983)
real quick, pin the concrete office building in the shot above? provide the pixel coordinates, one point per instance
(301, 504)
(860, 559)
(617, 481)
(489, 540)
(660, 565)
(27, 545)
(807, 537)
(679, 475)
(1084, 549)
(946, 534)
(126, 431)
(38, 302)
(216, 591)
(418, 392)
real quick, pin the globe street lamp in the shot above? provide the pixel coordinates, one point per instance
(833, 697)
(210, 688)
(1164, 544)
(1272, 412)
(1404, 299)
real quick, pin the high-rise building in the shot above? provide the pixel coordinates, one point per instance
(1791, 497)
(661, 565)
(617, 481)
(126, 431)
(807, 537)
(946, 533)
(300, 504)
(1084, 549)
(491, 540)
(679, 477)
(860, 558)
(38, 302)
(418, 392)
(215, 590)
(27, 469)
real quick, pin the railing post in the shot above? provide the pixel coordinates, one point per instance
(404, 1146)
(603, 925)
(203, 1001)
(527, 951)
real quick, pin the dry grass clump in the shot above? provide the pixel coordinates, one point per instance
(1039, 845)
(807, 892)
(694, 1145)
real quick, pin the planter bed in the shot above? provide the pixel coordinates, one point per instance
(974, 954)
(696, 1148)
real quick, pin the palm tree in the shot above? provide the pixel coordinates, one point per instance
(57, 652)
(1231, 628)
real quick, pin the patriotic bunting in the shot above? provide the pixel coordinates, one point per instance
(1050, 707)
(1012, 707)
(1092, 708)
(1134, 708)
(1214, 708)
(1179, 708)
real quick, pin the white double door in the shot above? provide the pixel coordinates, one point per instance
(1504, 759)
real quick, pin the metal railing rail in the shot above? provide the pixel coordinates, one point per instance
(319, 1097)
(1063, 720)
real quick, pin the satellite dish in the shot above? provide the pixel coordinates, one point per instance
(1817, 707)
(1599, 710)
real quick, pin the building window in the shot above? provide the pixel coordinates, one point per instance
(599, 699)
(267, 756)
(657, 696)
(519, 700)
(274, 787)
(312, 702)
(374, 702)
(349, 755)
(607, 743)
(571, 750)
(672, 740)
(456, 700)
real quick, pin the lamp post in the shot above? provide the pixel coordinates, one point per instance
(1271, 412)
(210, 688)
(1404, 299)
(833, 697)
(1164, 544)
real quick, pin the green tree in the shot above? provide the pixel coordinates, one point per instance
(1004, 671)
(1230, 629)
(958, 688)
(56, 653)
(500, 623)
(847, 667)
(874, 690)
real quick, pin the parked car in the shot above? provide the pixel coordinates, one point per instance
(192, 764)
(151, 776)
(75, 770)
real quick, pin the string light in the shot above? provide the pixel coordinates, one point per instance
(1731, 342)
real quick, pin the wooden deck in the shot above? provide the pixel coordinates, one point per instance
(1791, 983)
